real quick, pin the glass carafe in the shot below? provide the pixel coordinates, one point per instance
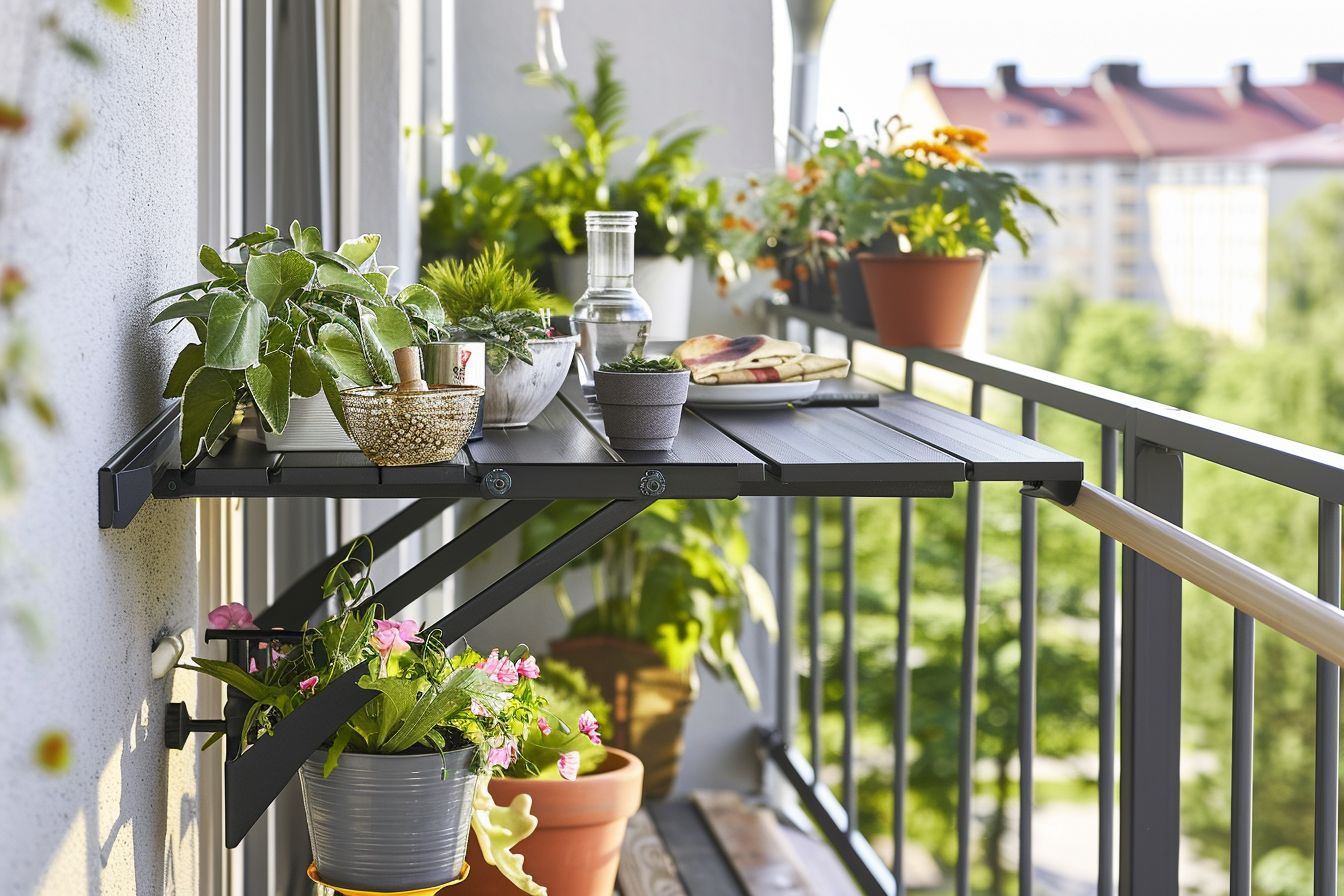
(610, 319)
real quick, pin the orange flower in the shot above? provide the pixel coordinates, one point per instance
(783, 284)
(764, 263)
(728, 222)
(801, 272)
(974, 138)
(723, 285)
(52, 753)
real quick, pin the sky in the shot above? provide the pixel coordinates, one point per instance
(870, 44)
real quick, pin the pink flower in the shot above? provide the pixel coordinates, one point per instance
(499, 668)
(825, 236)
(865, 166)
(308, 684)
(527, 667)
(793, 174)
(478, 708)
(568, 763)
(543, 726)
(504, 753)
(252, 666)
(231, 616)
(394, 637)
(588, 726)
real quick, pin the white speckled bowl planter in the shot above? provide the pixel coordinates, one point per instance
(518, 393)
(642, 411)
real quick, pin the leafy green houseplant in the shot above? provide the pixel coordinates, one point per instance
(641, 400)
(289, 319)
(463, 717)
(672, 585)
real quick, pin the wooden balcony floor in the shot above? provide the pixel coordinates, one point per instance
(717, 843)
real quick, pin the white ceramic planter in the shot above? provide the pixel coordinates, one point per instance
(663, 282)
(516, 395)
(311, 427)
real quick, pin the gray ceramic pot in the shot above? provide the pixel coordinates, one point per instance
(642, 411)
(517, 394)
(389, 822)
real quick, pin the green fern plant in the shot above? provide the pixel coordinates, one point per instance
(490, 281)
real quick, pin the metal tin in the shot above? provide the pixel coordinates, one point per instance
(457, 364)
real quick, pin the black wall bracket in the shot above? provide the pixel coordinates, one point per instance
(127, 481)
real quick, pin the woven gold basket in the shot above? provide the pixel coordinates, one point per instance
(399, 429)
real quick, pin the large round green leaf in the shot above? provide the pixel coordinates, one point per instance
(274, 278)
(392, 327)
(360, 249)
(233, 332)
(345, 353)
(269, 384)
(304, 380)
(425, 301)
(208, 395)
(189, 360)
(334, 279)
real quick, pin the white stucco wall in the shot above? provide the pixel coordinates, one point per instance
(713, 62)
(98, 234)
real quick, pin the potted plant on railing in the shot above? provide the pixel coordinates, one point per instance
(581, 791)
(794, 223)
(491, 301)
(641, 400)
(288, 321)
(671, 585)
(946, 211)
(408, 773)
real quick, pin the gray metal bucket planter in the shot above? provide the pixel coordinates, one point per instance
(642, 411)
(389, 822)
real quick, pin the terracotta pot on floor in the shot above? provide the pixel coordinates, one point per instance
(580, 826)
(648, 700)
(921, 299)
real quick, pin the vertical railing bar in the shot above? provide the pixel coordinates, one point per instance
(1243, 746)
(1026, 680)
(901, 726)
(814, 707)
(1326, 849)
(849, 657)
(969, 662)
(1106, 685)
(787, 679)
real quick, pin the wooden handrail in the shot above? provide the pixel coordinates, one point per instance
(1278, 604)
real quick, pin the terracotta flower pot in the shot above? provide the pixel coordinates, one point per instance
(921, 299)
(580, 826)
(648, 700)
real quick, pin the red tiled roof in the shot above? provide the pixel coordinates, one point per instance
(1038, 122)
(1128, 119)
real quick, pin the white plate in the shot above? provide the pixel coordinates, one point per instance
(751, 395)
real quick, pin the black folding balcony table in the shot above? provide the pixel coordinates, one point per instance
(905, 447)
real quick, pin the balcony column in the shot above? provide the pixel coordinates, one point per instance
(1150, 685)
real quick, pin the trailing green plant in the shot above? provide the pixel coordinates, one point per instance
(633, 363)
(678, 578)
(289, 319)
(505, 334)
(482, 205)
(491, 281)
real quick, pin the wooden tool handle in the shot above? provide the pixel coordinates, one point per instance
(408, 370)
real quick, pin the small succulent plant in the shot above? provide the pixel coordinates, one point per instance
(633, 363)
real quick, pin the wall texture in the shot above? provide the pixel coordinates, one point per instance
(98, 232)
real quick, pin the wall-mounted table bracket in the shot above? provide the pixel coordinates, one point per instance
(127, 481)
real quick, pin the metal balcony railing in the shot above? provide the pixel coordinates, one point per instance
(1152, 440)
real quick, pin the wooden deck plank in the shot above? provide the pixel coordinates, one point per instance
(646, 867)
(750, 837)
(703, 868)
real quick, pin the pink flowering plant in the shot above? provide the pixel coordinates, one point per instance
(428, 699)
